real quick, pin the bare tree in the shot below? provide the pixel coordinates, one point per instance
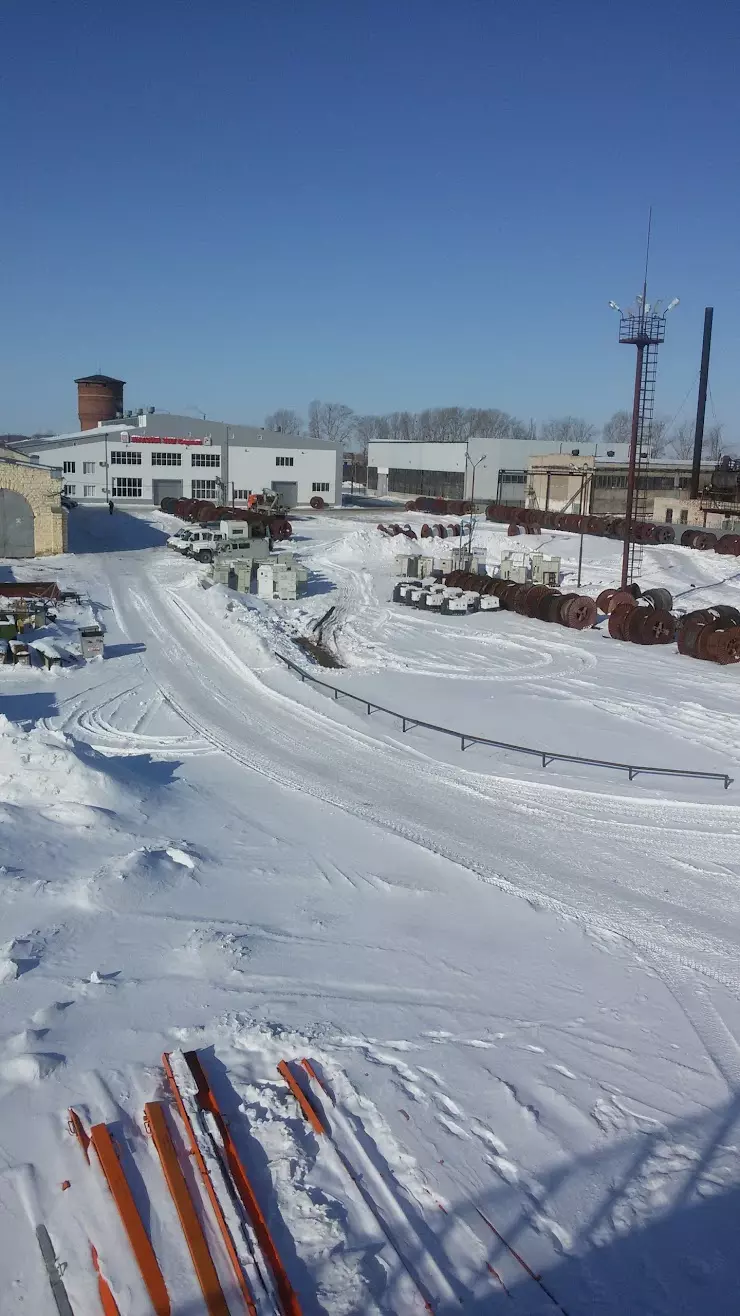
(659, 436)
(618, 428)
(570, 431)
(713, 446)
(681, 441)
(367, 429)
(286, 420)
(331, 421)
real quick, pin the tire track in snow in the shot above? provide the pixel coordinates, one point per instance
(628, 925)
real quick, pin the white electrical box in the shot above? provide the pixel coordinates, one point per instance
(407, 566)
(545, 570)
(265, 582)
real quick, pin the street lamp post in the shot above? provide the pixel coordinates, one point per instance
(584, 474)
(474, 465)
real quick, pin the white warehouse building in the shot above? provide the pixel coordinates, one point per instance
(147, 456)
(445, 469)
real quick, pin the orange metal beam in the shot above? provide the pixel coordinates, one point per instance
(210, 1189)
(309, 1110)
(208, 1102)
(105, 1150)
(154, 1114)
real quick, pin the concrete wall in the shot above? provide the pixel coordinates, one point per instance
(41, 489)
(491, 455)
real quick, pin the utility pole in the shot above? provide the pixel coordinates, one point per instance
(584, 477)
(701, 405)
(474, 465)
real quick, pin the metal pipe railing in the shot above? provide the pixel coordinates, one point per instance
(466, 740)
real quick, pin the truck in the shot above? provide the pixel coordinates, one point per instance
(231, 537)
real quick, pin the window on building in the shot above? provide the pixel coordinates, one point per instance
(69, 468)
(669, 514)
(69, 490)
(320, 488)
(204, 489)
(406, 480)
(683, 518)
(166, 459)
(241, 495)
(88, 490)
(88, 468)
(205, 459)
(126, 486)
(125, 457)
(283, 461)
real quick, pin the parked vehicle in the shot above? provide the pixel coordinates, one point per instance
(68, 502)
(206, 552)
(189, 541)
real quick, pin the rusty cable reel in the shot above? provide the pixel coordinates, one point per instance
(658, 598)
(580, 615)
(619, 597)
(604, 598)
(659, 627)
(729, 649)
(507, 595)
(543, 607)
(565, 601)
(633, 627)
(534, 598)
(618, 618)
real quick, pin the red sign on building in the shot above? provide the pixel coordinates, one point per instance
(156, 438)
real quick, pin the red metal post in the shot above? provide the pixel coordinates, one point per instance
(628, 518)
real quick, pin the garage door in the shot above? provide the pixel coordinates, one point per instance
(288, 492)
(166, 489)
(16, 525)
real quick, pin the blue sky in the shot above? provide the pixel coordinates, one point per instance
(392, 203)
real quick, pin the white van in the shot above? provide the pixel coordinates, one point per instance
(189, 541)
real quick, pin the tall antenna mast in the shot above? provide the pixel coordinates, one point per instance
(647, 256)
(644, 328)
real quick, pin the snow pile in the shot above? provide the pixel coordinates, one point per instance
(255, 629)
(138, 877)
(44, 768)
(367, 545)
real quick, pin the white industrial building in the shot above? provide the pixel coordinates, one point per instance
(152, 455)
(445, 469)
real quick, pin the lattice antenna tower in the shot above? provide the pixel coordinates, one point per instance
(643, 326)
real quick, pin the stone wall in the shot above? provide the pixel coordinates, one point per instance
(42, 492)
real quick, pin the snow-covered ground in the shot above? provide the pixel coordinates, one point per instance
(522, 983)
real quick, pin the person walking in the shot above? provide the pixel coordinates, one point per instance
(110, 506)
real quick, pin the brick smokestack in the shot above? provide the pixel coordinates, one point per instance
(99, 398)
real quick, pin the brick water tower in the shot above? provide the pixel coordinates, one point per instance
(99, 398)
